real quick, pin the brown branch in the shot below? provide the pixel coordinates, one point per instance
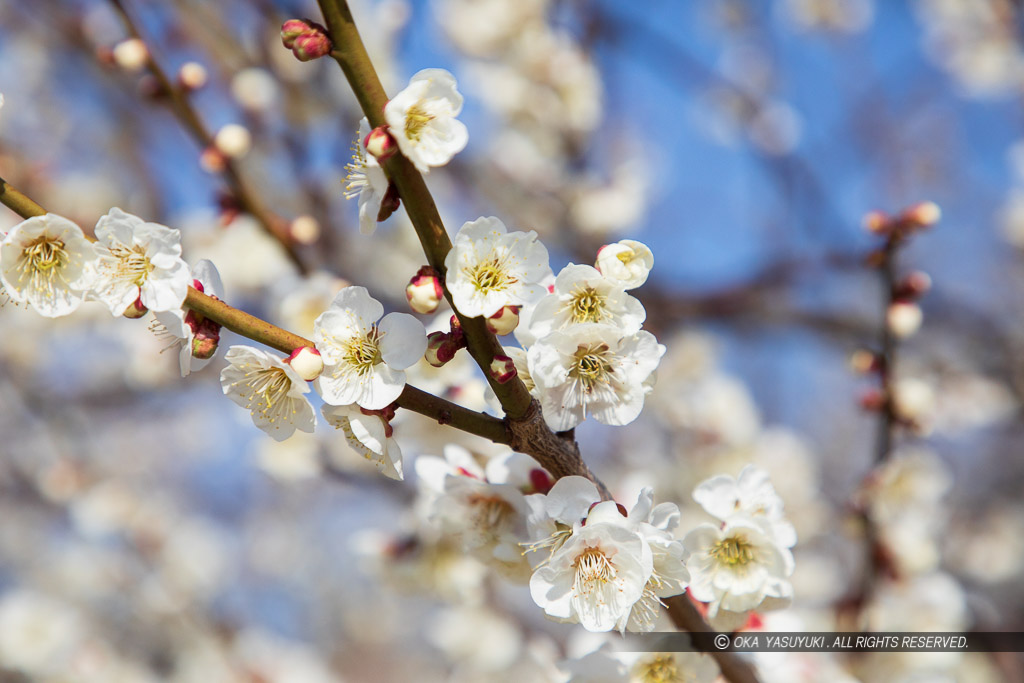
(179, 103)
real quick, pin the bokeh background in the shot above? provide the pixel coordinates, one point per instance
(149, 532)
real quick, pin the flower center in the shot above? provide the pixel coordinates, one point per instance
(268, 388)
(593, 571)
(587, 305)
(492, 512)
(132, 264)
(490, 276)
(416, 119)
(42, 261)
(592, 365)
(660, 669)
(733, 552)
(363, 353)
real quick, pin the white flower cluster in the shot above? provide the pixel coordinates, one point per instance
(585, 353)
(48, 263)
(604, 569)
(744, 562)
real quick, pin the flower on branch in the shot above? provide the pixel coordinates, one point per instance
(591, 368)
(369, 433)
(365, 180)
(422, 119)
(139, 261)
(364, 359)
(191, 333)
(270, 389)
(628, 261)
(584, 295)
(490, 268)
(47, 262)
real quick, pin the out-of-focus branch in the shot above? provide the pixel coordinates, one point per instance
(685, 616)
(248, 199)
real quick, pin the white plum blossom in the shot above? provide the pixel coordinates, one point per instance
(139, 261)
(270, 389)
(750, 494)
(364, 359)
(597, 574)
(47, 262)
(628, 262)
(422, 120)
(591, 368)
(365, 180)
(738, 566)
(583, 295)
(181, 324)
(370, 435)
(553, 516)
(490, 268)
(669, 576)
(483, 507)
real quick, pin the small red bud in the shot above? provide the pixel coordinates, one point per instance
(540, 481)
(306, 361)
(502, 369)
(311, 45)
(872, 400)
(136, 310)
(440, 349)
(922, 215)
(877, 223)
(504, 321)
(863, 361)
(380, 144)
(292, 29)
(913, 286)
(424, 291)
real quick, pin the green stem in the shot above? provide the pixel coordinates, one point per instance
(350, 53)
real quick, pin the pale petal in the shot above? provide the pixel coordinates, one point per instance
(403, 340)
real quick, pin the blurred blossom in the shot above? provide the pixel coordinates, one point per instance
(846, 16)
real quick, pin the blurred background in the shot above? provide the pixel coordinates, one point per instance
(149, 532)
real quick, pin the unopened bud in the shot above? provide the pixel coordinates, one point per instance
(304, 229)
(440, 349)
(192, 76)
(913, 400)
(136, 310)
(872, 400)
(204, 347)
(424, 291)
(390, 203)
(233, 141)
(504, 321)
(876, 222)
(212, 160)
(540, 481)
(502, 369)
(380, 144)
(913, 286)
(311, 45)
(131, 55)
(863, 361)
(923, 215)
(292, 29)
(904, 318)
(306, 361)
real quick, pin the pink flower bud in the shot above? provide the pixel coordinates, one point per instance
(913, 286)
(204, 347)
(424, 291)
(292, 29)
(306, 361)
(863, 361)
(380, 144)
(504, 321)
(872, 400)
(502, 369)
(311, 45)
(212, 160)
(440, 349)
(540, 481)
(136, 310)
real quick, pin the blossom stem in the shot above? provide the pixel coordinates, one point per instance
(685, 616)
(182, 108)
(17, 202)
(350, 53)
